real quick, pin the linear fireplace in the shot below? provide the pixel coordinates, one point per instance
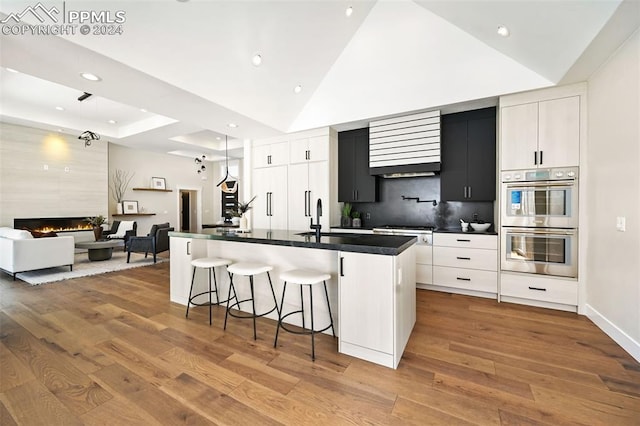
(53, 224)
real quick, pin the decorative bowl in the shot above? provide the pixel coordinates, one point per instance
(480, 227)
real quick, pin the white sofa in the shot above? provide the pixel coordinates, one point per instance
(20, 252)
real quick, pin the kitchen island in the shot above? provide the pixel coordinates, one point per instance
(371, 292)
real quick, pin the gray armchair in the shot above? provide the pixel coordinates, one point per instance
(156, 241)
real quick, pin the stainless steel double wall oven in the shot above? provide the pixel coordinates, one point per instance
(539, 220)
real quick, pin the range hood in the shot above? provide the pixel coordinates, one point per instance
(406, 146)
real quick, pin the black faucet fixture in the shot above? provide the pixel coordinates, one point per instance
(317, 227)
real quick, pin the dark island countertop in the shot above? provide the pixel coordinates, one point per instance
(390, 245)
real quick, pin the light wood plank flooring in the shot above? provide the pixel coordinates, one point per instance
(111, 350)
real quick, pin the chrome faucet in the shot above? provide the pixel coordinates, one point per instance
(317, 227)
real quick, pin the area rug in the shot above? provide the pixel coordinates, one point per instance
(83, 267)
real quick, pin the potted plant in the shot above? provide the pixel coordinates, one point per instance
(345, 220)
(96, 222)
(244, 207)
(357, 222)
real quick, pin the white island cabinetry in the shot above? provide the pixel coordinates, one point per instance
(377, 305)
(372, 289)
(183, 251)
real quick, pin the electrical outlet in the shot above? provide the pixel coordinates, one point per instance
(367, 215)
(621, 223)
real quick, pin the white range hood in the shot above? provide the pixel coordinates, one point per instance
(405, 146)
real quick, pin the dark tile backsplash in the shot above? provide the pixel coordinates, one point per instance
(392, 210)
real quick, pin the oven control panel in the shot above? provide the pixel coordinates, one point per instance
(566, 173)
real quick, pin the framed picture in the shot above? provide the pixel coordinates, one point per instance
(158, 183)
(130, 207)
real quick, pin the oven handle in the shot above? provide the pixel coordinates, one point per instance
(567, 183)
(537, 231)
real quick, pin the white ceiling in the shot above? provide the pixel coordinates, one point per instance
(189, 64)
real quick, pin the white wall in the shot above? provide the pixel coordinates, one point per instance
(179, 172)
(48, 174)
(613, 185)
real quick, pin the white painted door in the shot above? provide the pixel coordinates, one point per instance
(319, 188)
(261, 188)
(278, 197)
(270, 188)
(519, 136)
(299, 151)
(366, 288)
(559, 132)
(299, 211)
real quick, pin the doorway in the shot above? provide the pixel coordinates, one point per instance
(188, 210)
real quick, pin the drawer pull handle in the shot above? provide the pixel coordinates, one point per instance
(464, 241)
(463, 258)
(537, 288)
(466, 279)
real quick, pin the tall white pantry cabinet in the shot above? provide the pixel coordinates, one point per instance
(289, 174)
(539, 130)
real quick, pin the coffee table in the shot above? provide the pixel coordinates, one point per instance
(100, 250)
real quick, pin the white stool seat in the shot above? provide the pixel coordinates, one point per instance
(210, 262)
(304, 276)
(249, 268)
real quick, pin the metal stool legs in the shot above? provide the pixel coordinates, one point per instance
(237, 302)
(192, 297)
(311, 331)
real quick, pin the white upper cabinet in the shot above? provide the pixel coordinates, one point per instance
(309, 149)
(276, 154)
(559, 132)
(541, 134)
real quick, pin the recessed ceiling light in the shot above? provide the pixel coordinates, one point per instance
(256, 60)
(11, 70)
(233, 125)
(503, 31)
(112, 121)
(349, 11)
(143, 110)
(218, 138)
(297, 89)
(59, 108)
(89, 76)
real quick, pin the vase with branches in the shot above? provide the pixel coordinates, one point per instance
(120, 180)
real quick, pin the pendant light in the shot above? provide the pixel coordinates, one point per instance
(228, 184)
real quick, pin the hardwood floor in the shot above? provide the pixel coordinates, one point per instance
(111, 349)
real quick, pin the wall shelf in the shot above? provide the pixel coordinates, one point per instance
(133, 214)
(153, 189)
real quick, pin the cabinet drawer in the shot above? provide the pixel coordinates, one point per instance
(466, 240)
(469, 279)
(424, 254)
(539, 288)
(424, 274)
(468, 258)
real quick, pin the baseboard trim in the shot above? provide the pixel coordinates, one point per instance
(620, 337)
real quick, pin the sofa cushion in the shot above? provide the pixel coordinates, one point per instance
(15, 234)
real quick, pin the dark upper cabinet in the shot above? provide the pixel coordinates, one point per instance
(355, 184)
(468, 155)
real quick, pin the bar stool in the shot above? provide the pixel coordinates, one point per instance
(248, 269)
(308, 278)
(209, 263)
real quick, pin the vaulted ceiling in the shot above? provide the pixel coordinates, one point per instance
(188, 64)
